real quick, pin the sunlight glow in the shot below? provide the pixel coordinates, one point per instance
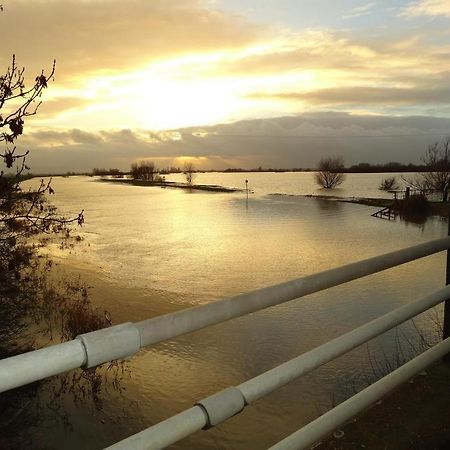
(229, 85)
(181, 92)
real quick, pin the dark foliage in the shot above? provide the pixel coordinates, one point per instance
(34, 310)
(144, 170)
(414, 208)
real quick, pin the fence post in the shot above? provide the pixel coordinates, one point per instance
(446, 329)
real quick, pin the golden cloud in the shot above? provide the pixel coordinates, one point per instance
(111, 35)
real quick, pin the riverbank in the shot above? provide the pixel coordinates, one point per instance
(414, 417)
(436, 208)
(440, 209)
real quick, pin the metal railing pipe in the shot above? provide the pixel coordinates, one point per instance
(39, 364)
(165, 433)
(124, 340)
(325, 424)
(175, 324)
(283, 374)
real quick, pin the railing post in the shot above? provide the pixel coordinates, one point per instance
(446, 329)
(407, 192)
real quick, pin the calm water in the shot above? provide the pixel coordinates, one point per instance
(161, 250)
(295, 183)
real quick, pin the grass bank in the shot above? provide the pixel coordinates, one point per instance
(435, 208)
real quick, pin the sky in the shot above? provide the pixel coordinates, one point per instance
(231, 83)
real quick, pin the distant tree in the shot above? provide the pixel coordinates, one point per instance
(98, 172)
(189, 172)
(362, 167)
(330, 172)
(389, 184)
(437, 174)
(144, 170)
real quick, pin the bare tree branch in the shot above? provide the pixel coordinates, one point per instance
(330, 173)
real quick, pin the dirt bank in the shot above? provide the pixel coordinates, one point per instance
(414, 417)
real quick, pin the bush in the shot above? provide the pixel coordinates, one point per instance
(414, 205)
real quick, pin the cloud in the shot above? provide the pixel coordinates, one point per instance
(51, 108)
(165, 64)
(67, 138)
(368, 95)
(340, 59)
(427, 8)
(127, 67)
(309, 50)
(110, 35)
(296, 141)
(358, 11)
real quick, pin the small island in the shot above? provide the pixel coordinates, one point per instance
(170, 184)
(145, 173)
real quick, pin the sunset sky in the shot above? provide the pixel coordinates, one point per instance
(232, 83)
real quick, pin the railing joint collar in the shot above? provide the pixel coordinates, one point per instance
(222, 405)
(108, 344)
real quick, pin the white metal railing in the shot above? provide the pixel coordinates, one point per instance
(225, 404)
(325, 424)
(124, 340)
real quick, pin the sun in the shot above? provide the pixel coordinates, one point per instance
(169, 104)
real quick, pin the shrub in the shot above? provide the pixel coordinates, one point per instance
(414, 205)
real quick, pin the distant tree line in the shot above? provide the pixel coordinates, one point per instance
(385, 168)
(260, 169)
(362, 167)
(169, 170)
(102, 172)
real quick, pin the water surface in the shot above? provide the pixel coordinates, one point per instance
(160, 250)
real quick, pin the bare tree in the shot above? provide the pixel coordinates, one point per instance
(437, 162)
(330, 173)
(22, 214)
(189, 173)
(388, 184)
(144, 170)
